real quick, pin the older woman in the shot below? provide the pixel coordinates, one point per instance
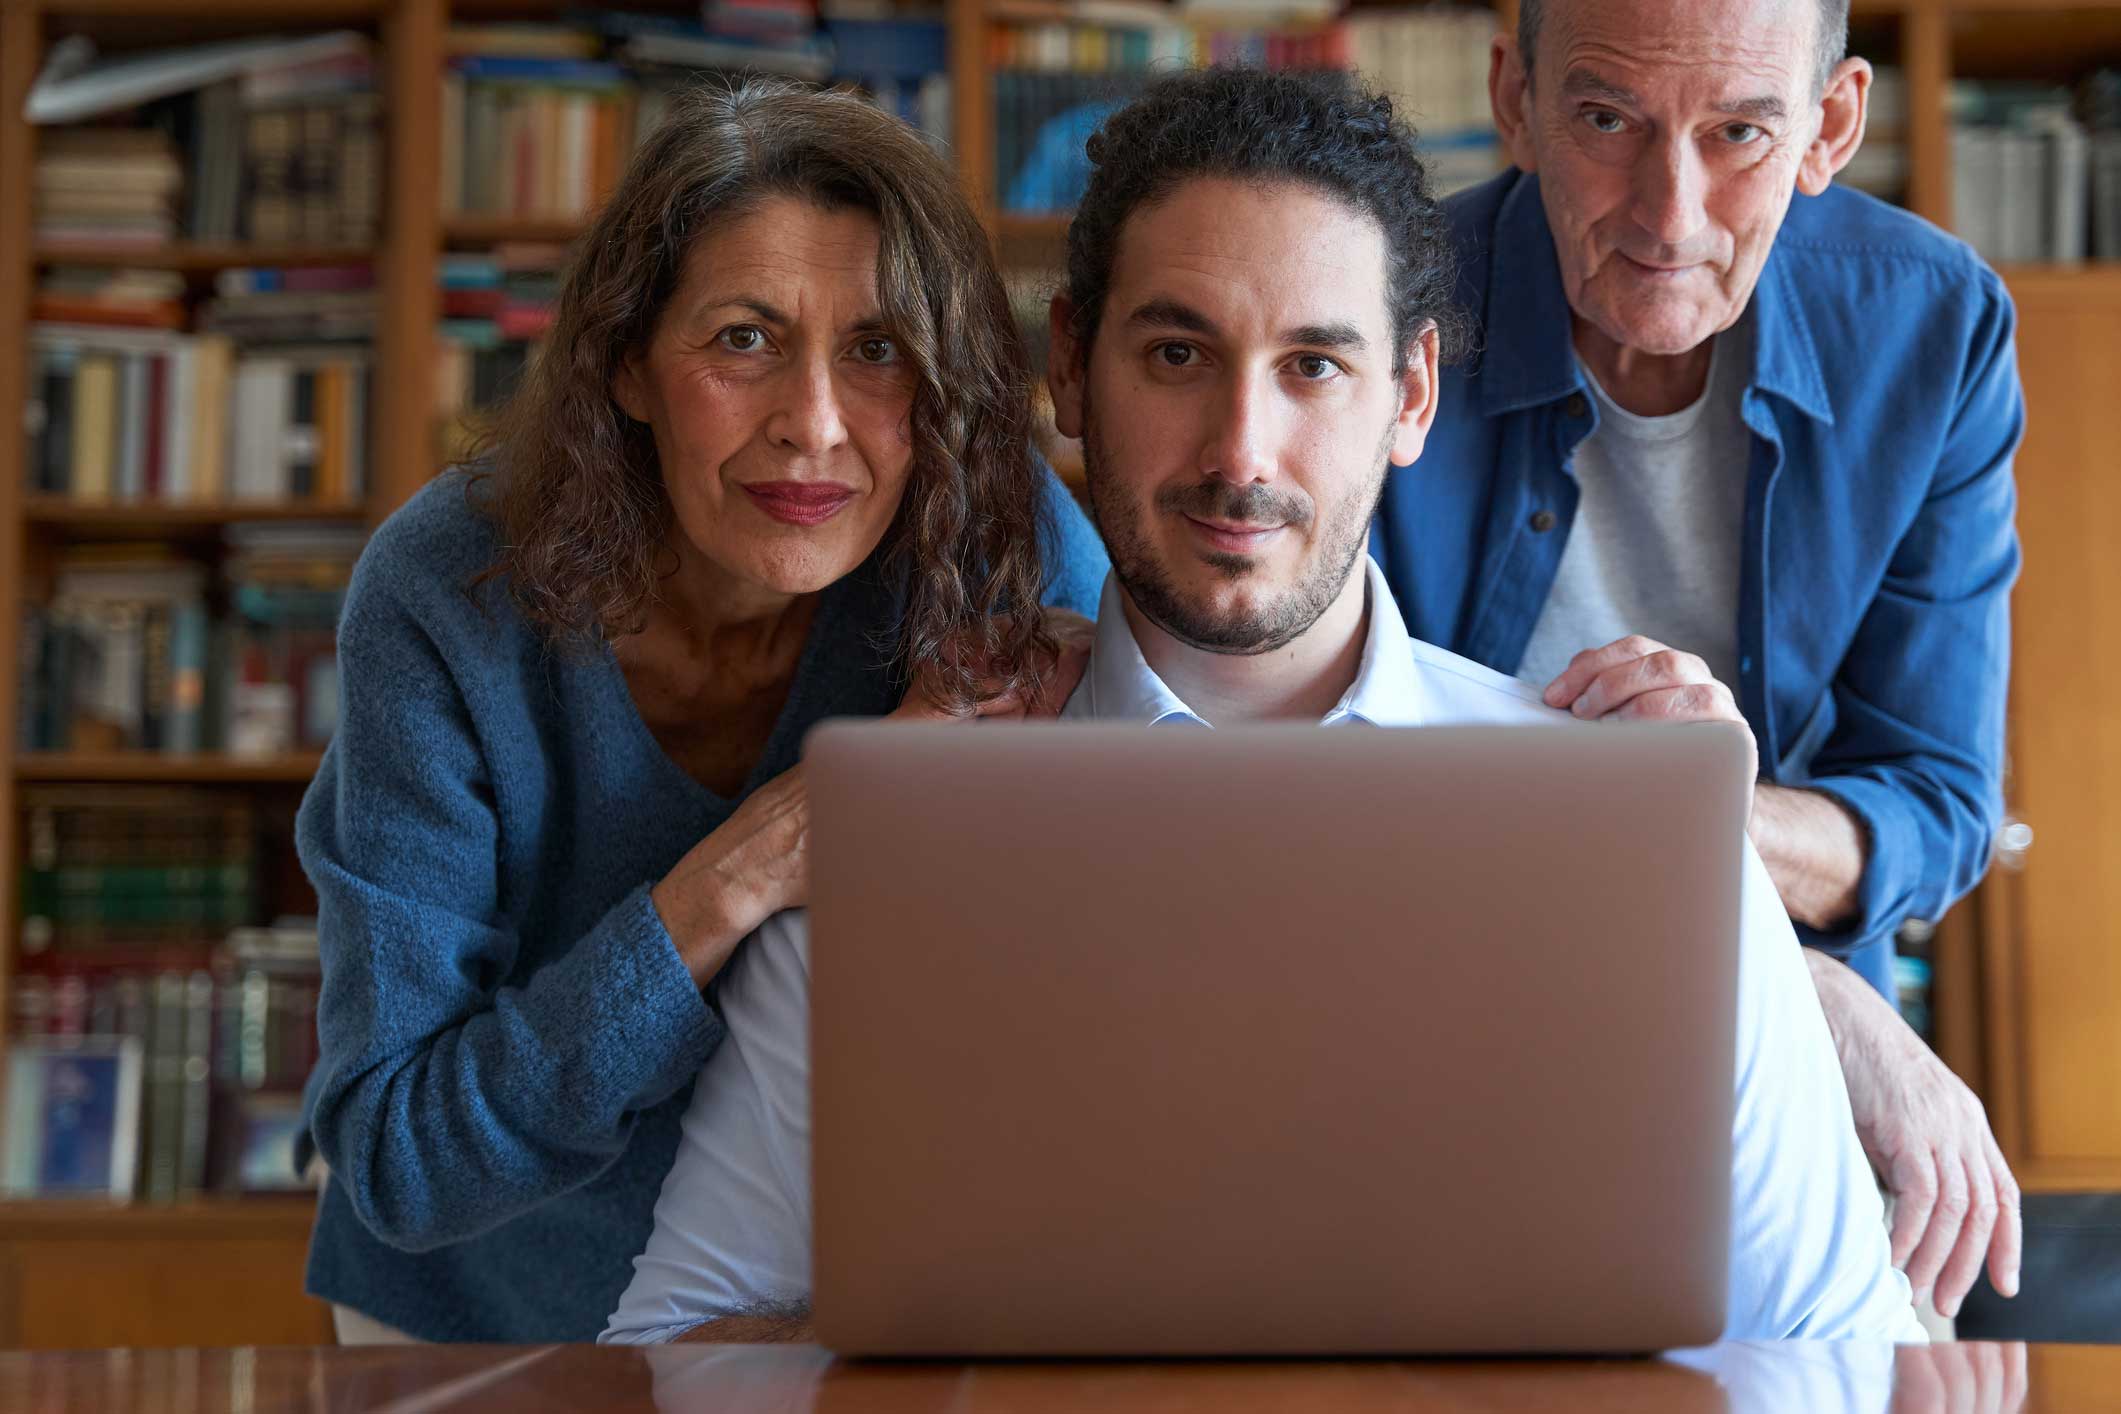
(772, 466)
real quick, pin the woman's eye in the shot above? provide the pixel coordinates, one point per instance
(1604, 120)
(876, 351)
(742, 338)
(1175, 355)
(1316, 367)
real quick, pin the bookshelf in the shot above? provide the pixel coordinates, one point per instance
(2010, 957)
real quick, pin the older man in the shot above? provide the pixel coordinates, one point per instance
(1773, 432)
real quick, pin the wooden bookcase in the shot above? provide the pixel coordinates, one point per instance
(2030, 975)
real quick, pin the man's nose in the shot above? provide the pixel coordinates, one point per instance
(1241, 449)
(1671, 189)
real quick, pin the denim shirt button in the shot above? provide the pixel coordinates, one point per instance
(1542, 522)
(1577, 405)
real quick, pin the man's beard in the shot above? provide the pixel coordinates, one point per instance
(1276, 624)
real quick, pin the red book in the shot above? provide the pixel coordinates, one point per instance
(157, 421)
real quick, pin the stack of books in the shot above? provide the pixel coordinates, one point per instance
(1054, 82)
(286, 584)
(218, 1033)
(107, 186)
(2022, 173)
(533, 125)
(496, 309)
(312, 150)
(280, 141)
(268, 402)
(1434, 64)
(139, 650)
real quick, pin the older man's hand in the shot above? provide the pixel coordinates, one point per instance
(1638, 679)
(1954, 1200)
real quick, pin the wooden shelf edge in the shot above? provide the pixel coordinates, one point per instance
(204, 257)
(265, 11)
(263, 1215)
(60, 510)
(470, 232)
(147, 767)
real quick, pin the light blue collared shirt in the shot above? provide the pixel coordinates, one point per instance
(1809, 1256)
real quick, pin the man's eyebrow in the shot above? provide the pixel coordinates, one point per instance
(1582, 83)
(1170, 314)
(1345, 337)
(1759, 110)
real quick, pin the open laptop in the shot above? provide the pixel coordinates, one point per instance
(1274, 1040)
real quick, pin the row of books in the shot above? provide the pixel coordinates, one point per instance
(496, 310)
(528, 137)
(2036, 170)
(265, 141)
(107, 186)
(203, 1072)
(538, 120)
(138, 650)
(135, 875)
(156, 416)
(1054, 83)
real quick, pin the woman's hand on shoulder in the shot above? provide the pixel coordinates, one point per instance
(750, 867)
(1072, 635)
(757, 862)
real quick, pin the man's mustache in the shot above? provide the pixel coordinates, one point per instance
(1258, 505)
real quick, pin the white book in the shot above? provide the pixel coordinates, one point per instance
(73, 86)
(2024, 200)
(264, 393)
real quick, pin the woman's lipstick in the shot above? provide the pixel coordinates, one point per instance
(799, 502)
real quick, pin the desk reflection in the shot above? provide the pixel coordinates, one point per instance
(1742, 1378)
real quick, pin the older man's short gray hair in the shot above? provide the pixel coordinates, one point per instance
(1833, 35)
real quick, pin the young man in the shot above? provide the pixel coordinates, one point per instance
(1256, 305)
(1724, 405)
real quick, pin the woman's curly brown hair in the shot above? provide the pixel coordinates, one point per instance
(574, 485)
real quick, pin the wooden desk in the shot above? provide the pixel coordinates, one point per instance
(757, 1379)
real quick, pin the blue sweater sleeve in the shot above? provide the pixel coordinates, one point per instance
(1917, 749)
(448, 1099)
(1075, 556)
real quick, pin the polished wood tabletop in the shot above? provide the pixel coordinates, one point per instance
(1818, 1378)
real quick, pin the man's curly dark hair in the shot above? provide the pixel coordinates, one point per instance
(1324, 130)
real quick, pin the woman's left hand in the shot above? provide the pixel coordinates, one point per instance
(1071, 632)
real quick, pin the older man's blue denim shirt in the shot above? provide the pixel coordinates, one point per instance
(1873, 629)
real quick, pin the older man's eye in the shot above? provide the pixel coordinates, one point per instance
(1604, 120)
(1740, 134)
(742, 338)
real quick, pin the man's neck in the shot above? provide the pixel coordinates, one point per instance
(1299, 681)
(1648, 385)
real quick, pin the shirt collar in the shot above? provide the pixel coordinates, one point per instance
(1119, 684)
(1529, 355)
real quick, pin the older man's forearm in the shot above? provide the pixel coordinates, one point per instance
(1814, 851)
(783, 1326)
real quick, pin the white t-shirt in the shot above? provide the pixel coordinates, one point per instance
(1660, 512)
(1808, 1239)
